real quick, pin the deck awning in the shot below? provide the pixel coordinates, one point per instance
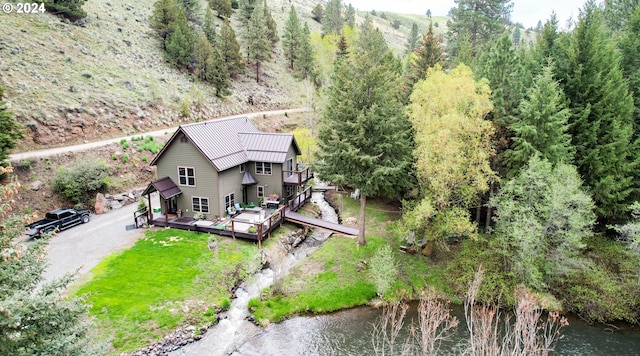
(165, 186)
(249, 179)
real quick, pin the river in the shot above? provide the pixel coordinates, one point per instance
(348, 332)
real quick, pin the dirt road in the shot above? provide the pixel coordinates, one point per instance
(157, 133)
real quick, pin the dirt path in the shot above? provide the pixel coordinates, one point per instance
(157, 133)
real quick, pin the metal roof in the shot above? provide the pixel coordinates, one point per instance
(165, 186)
(229, 142)
(249, 179)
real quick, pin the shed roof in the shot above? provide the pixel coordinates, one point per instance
(229, 142)
(165, 186)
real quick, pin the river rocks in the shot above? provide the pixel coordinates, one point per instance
(351, 221)
(35, 186)
(293, 239)
(115, 204)
(181, 337)
(102, 204)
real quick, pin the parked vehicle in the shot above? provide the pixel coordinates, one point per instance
(58, 220)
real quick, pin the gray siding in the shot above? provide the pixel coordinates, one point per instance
(185, 154)
(272, 183)
(230, 182)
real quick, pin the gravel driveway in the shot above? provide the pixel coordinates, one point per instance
(85, 245)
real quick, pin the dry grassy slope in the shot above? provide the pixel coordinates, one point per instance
(69, 83)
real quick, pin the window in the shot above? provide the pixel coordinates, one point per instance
(242, 168)
(260, 192)
(229, 200)
(263, 168)
(187, 176)
(290, 166)
(200, 204)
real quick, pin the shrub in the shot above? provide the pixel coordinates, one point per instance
(144, 159)
(384, 269)
(125, 146)
(114, 156)
(80, 181)
(125, 158)
(69, 9)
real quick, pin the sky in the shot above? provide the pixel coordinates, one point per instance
(527, 12)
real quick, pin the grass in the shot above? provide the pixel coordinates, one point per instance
(334, 277)
(165, 280)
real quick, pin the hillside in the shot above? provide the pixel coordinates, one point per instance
(69, 83)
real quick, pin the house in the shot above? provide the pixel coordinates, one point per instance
(210, 166)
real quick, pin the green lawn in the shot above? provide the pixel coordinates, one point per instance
(333, 277)
(165, 280)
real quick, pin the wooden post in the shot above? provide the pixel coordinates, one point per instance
(260, 236)
(166, 212)
(233, 229)
(149, 212)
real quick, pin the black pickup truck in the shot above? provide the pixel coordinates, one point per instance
(58, 220)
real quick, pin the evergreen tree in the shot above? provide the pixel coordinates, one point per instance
(428, 52)
(332, 20)
(191, 9)
(272, 27)
(342, 50)
(10, 131)
(541, 127)
(618, 12)
(630, 64)
(36, 318)
(350, 16)
(543, 216)
(180, 44)
(69, 9)
(222, 8)
(163, 18)
(245, 10)
(365, 136)
(316, 13)
(209, 27)
(230, 49)
(210, 66)
(412, 40)
(258, 43)
(292, 38)
(482, 20)
(305, 62)
(517, 37)
(602, 114)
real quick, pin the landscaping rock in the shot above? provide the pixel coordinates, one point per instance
(35, 186)
(102, 204)
(182, 336)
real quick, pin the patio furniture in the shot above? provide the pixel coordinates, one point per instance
(272, 204)
(356, 194)
(238, 208)
(230, 211)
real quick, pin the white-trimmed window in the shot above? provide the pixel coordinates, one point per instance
(243, 167)
(290, 166)
(200, 204)
(263, 168)
(229, 200)
(187, 176)
(260, 191)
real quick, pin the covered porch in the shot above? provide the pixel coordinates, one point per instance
(167, 191)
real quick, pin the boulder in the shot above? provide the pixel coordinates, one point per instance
(102, 204)
(35, 186)
(115, 204)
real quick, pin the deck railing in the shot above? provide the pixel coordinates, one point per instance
(141, 217)
(302, 176)
(263, 226)
(300, 199)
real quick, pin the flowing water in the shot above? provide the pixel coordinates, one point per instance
(235, 330)
(348, 332)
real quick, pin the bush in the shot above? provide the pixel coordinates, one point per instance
(69, 9)
(79, 182)
(384, 269)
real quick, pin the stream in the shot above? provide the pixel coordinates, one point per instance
(348, 332)
(231, 333)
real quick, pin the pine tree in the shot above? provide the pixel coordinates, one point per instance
(541, 126)
(230, 49)
(517, 37)
(350, 16)
(222, 8)
(180, 44)
(482, 20)
(245, 10)
(332, 20)
(316, 13)
(272, 27)
(618, 12)
(630, 64)
(163, 18)
(191, 9)
(69, 9)
(412, 40)
(36, 318)
(365, 136)
(291, 40)
(209, 27)
(428, 52)
(210, 66)
(305, 62)
(258, 43)
(10, 131)
(602, 112)
(342, 49)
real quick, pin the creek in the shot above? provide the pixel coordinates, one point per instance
(348, 332)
